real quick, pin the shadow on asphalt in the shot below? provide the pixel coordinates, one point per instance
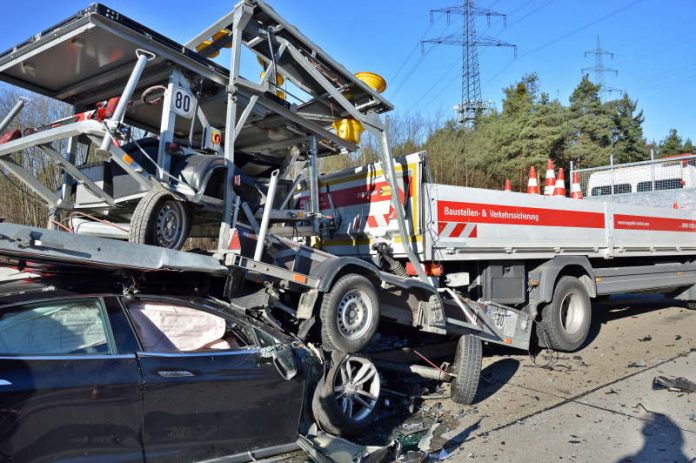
(662, 441)
(495, 376)
(620, 307)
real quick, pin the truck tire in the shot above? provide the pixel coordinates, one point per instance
(467, 367)
(565, 321)
(346, 400)
(161, 220)
(349, 314)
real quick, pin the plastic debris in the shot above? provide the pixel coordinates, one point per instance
(639, 364)
(674, 384)
(424, 443)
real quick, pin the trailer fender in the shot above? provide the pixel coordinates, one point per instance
(542, 279)
(328, 271)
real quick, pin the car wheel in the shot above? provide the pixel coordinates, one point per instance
(467, 368)
(346, 400)
(160, 220)
(691, 305)
(349, 314)
(565, 321)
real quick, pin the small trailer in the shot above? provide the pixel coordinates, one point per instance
(331, 257)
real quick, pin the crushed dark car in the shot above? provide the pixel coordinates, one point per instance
(97, 366)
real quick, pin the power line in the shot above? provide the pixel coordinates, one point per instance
(581, 28)
(441, 80)
(565, 36)
(412, 52)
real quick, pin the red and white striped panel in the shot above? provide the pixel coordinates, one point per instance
(457, 230)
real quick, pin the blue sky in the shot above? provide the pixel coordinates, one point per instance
(651, 41)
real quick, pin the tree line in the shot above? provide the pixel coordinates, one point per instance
(529, 128)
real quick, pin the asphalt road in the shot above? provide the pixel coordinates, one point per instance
(595, 405)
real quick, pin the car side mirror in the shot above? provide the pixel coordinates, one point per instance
(284, 362)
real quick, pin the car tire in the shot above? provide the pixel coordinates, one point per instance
(349, 314)
(467, 368)
(565, 321)
(352, 384)
(161, 220)
(691, 305)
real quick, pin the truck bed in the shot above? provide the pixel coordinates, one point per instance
(453, 223)
(472, 224)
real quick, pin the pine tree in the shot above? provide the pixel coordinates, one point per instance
(628, 144)
(672, 144)
(591, 126)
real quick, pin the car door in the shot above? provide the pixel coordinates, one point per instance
(70, 385)
(209, 389)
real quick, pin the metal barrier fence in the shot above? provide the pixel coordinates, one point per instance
(662, 174)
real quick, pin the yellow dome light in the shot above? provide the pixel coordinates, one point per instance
(348, 129)
(280, 80)
(374, 81)
(221, 34)
(205, 44)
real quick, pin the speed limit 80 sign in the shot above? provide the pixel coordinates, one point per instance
(183, 103)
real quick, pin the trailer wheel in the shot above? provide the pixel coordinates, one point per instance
(161, 220)
(467, 367)
(565, 321)
(346, 400)
(349, 314)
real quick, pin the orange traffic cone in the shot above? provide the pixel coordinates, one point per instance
(550, 180)
(533, 184)
(508, 185)
(575, 189)
(675, 205)
(560, 189)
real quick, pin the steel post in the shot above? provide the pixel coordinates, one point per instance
(652, 170)
(120, 111)
(611, 169)
(314, 184)
(390, 174)
(12, 114)
(241, 18)
(267, 208)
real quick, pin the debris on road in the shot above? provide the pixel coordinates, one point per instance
(326, 448)
(645, 339)
(678, 384)
(639, 364)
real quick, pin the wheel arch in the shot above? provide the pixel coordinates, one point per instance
(546, 276)
(331, 270)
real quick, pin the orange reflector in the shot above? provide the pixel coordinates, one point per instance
(234, 244)
(297, 278)
(432, 269)
(127, 159)
(507, 340)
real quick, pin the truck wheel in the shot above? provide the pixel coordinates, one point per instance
(467, 367)
(346, 400)
(161, 220)
(349, 314)
(565, 321)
